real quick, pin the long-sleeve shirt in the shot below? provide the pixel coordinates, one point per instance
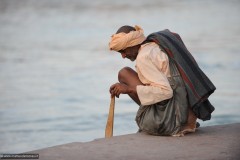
(152, 66)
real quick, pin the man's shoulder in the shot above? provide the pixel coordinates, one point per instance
(151, 52)
(148, 49)
(149, 45)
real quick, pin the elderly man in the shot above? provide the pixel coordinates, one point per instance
(168, 85)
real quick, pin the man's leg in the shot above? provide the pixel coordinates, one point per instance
(191, 123)
(130, 78)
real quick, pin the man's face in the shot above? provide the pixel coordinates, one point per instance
(129, 53)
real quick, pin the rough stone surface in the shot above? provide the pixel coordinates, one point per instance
(208, 143)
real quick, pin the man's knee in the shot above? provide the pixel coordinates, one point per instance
(124, 73)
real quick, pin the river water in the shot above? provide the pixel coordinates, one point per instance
(55, 67)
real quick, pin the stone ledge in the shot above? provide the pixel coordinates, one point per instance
(214, 142)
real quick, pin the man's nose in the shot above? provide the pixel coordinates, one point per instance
(123, 55)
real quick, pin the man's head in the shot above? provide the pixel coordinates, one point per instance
(127, 41)
(125, 29)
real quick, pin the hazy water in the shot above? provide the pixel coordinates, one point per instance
(55, 67)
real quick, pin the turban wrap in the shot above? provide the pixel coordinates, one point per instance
(121, 41)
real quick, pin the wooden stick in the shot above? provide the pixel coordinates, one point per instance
(110, 120)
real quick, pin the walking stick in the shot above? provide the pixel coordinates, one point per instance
(110, 120)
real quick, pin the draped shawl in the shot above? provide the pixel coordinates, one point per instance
(197, 84)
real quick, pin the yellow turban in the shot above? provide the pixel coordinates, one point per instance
(121, 41)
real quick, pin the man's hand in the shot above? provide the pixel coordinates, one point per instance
(119, 88)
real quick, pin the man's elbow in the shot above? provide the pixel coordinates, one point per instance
(169, 93)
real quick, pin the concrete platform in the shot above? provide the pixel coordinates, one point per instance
(208, 143)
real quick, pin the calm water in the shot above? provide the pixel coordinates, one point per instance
(55, 67)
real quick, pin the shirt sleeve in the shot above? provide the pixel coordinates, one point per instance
(151, 68)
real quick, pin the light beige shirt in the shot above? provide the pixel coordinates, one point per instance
(152, 66)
